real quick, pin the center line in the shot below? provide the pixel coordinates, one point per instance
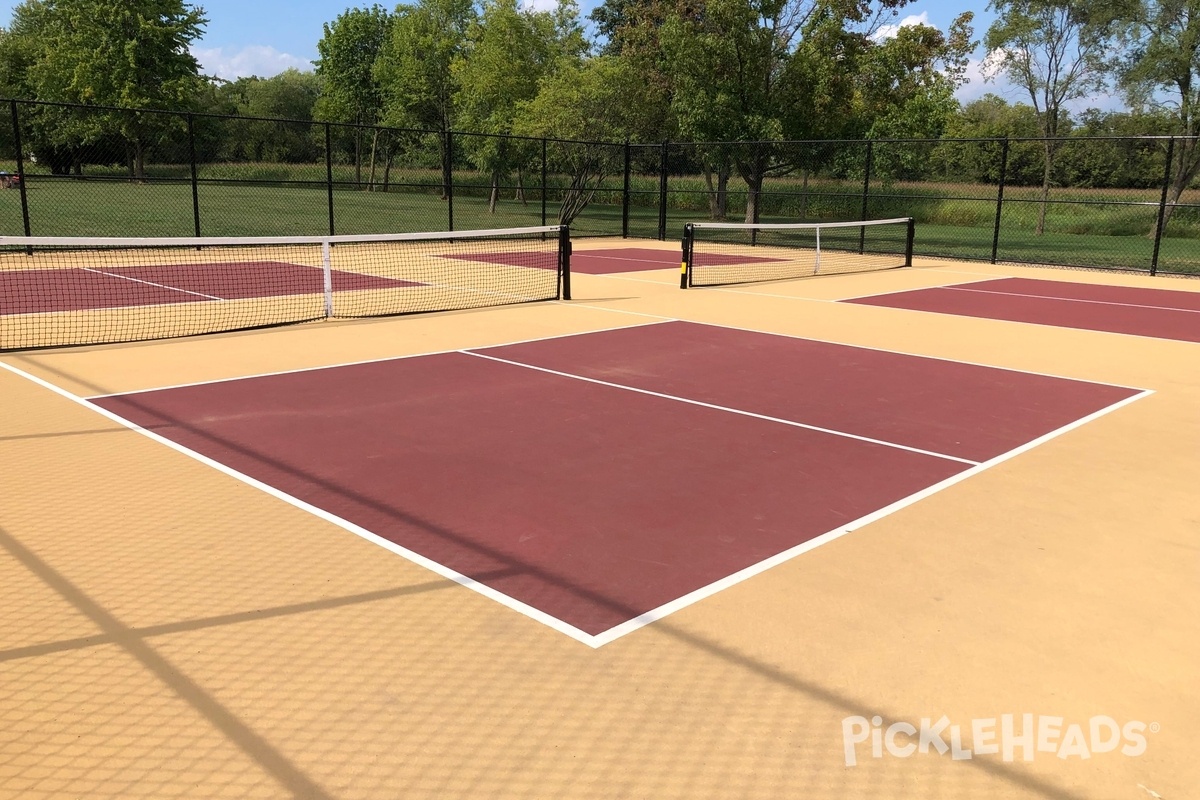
(152, 283)
(702, 404)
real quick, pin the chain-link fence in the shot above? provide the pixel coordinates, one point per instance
(1080, 201)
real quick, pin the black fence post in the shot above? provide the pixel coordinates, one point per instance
(545, 188)
(195, 184)
(16, 124)
(448, 179)
(866, 196)
(329, 172)
(1162, 205)
(625, 196)
(685, 255)
(662, 194)
(1000, 199)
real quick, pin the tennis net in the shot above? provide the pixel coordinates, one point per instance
(64, 291)
(722, 253)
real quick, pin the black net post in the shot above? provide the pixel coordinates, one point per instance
(329, 173)
(1000, 198)
(16, 125)
(448, 179)
(685, 256)
(662, 194)
(625, 195)
(545, 188)
(866, 196)
(564, 262)
(1162, 205)
(910, 235)
(191, 129)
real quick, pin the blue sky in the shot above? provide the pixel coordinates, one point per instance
(264, 37)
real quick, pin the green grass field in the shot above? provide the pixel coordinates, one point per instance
(955, 227)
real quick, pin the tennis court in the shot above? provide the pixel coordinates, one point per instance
(1161, 313)
(644, 542)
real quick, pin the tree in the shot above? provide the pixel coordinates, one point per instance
(127, 53)
(1162, 70)
(508, 51)
(346, 57)
(414, 69)
(591, 102)
(1057, 51)
(759, 71)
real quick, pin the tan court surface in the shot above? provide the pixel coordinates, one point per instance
(171, 632)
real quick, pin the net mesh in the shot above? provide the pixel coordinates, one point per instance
(718, 254)
(64, 291)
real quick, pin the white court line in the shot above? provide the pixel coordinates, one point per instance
(601, 639)
(416, 558)
(738, 411)
(152, 283)
(963, 288)
(664, 610)
(914, 289)
(361, 362)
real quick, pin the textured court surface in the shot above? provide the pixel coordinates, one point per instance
(172, 629)
(1160, 313)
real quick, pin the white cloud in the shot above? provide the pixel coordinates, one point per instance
(255, 59)
(890, 31)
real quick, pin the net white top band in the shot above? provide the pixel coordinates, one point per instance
(235, 241)
(798, 226)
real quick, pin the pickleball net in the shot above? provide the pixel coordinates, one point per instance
(724, 253)
(73, 290)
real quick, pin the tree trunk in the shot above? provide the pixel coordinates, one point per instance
(358, 157)
(712, 193)
(371, 174)
(387, 167)
(520, 195)
(752, 173)
(494, 195)
(723, 191)
(804, 196)
(139, 161)
(1185, 173)
(1047, 167)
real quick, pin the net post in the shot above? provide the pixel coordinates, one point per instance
(191, 129)
(662, 194)
(910, 235)
(625, 195)
(327, 276)
(1162, 206)
(16, 126)
(329, 173)
(685, 253)
(1000, 199)
(564, 262)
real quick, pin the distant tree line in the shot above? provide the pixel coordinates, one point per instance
(715, 71)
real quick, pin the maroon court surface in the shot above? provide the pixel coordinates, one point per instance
(611, 261)
(601, 476)
(1159, 313)
(75, 289)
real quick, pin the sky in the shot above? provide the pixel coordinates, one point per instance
(265, 37)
